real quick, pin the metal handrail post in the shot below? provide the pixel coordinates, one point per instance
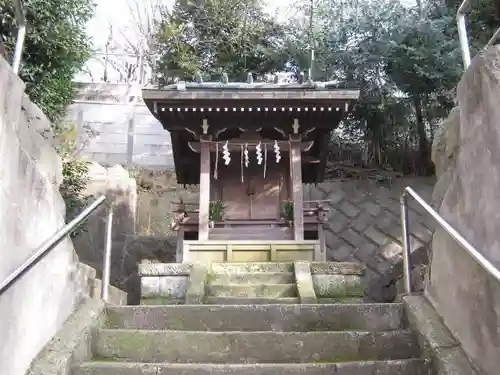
(460, 240)
(21, 35)
(406, 242)
(462, 33)
(106, 267)
(49, 244)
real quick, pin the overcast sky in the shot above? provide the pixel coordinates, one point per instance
(117, 13)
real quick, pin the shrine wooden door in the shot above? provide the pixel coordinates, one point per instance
(236, 199)
(266, 196)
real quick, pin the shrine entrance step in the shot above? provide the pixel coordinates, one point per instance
(246, 283)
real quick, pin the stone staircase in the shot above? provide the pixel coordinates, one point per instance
(340, 339)
(251, 283)
(248, 321)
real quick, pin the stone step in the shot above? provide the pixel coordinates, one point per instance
(161, 301)
(253, 278)
(267, 267)
(252, 290)
(252, 347)
(287, 318)
(394, 367)
(345, 300)
(211, 300)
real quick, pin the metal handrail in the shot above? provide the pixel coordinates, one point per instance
(21, 35)
(478, 257)
(462, 33)
(53, 241)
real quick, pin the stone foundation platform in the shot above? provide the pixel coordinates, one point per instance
(251, 283)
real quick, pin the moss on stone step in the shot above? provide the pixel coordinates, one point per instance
(262, 347)
(161, 301)
(335, 286)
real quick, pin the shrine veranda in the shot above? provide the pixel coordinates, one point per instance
(250, 147)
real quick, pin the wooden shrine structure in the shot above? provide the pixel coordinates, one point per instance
(250, 147)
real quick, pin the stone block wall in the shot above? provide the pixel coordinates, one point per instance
(466, 153)
(31, 210)
(364, 226)
(116, 184)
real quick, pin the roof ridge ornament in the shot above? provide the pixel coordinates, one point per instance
(199, 77)
(302, 78)
(181, 85)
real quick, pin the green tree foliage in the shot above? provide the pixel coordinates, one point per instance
(405, 60)
(210, 37)
(422, 61)
(56, 47)
(75, 173)
(482, 19)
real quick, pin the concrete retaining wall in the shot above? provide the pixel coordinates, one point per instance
(126, 132)
(466, 155)
(117, 185)
(31, 210)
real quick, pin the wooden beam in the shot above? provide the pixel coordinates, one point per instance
(235, 146)
(203, 220)
(296, 186)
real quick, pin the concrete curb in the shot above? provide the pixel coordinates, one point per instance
(439, 347)
(407, 367)
(337, 268)
(305, 286)
(338, 285)
(195, 293)
(165, 269)
(72, 343)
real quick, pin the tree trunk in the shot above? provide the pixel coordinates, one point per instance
(423, 143)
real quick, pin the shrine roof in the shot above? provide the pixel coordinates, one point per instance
(229, 110)
(315, 91)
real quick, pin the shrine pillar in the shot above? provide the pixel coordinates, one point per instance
(296, 189)
(204, 202)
